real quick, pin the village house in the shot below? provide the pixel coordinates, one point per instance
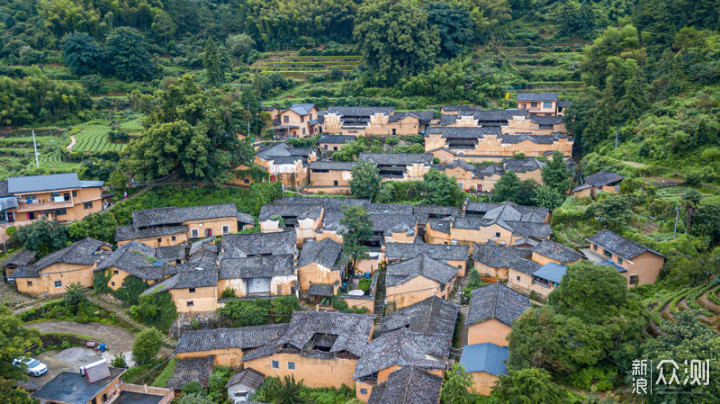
(226, 345)
(455, 256)
(399, 349)
(528, 168)
(393, 228)
(491, 312)
(191, 369)
(414, 280)
(319, 348)
(248, 245)
(194, 290)
(172, 225)
(408, 385)
(433, 213)
(492, 260)
(243, 384)
(321, 263)
(330, 177)
(472, 178)
(98, 383)
(510, 121)
(488, 143)
(562, 106)
(539, 104)
(300, 120)
(603, 181)
(547, 278)
(551, 251)
(17, 260)
(459, 109)
(400, 166)
(433, 315)
(639, 264)
(333, 143)
(383, 121)
(286, 164)
(258, 275)
(485, 363)
(150, 264)
(52, 274)
(303, 219)
(61, 197)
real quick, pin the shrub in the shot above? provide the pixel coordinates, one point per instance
(118, 361)
(147, 344)
(228, 293)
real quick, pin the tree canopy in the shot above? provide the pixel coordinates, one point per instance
(365, 182)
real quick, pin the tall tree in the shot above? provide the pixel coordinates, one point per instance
(454, 26)
(163, 26)
(240, 45)
(43, 236)
(393, 49)
(147, 344)
(83, 54)
(357, 230)
(365, 182)
(634, 102)
(211, 62)
(510, 188)
(440, 189)
(530, 385)
(128, 55)
(189, 130)
(556, 175)
(455, 387)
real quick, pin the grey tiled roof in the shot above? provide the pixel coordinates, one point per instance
(603, 178)
(171, 253)
(618, 245)
(464, 132)
(523, 165)
(361, 111)
(444, 252)
(300, 211)
(408, 385)
(327, 253)
(321, 289)
(479, 208)
(509, 211)
(397, 158)
(174, 215)
(564, 104)
(281, 151)
(39, 183)
(393, 223)
(302, 109)
(530, 229)
(423, 117)
(336, 139)
(430, 316)
(187, 370)
(124, 233)
(198, 277)
(441, 225)
(4, 189)
(390, 208)
(496, 256)
(557, 251)
(20, 258)
(224, 338)
(247, 377)
(496, 301)
(347, 332)
(244, 245)
(258, 266)
(327, 203)
(537, 139)
(204, 244)
(332, 165)
(537, 97)
(83, 252)
(424, 212)
(138, 260)
(422, 265)
(547, 120)
(462, 108)
(403, 348)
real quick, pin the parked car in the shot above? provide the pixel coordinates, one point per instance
(34, 367)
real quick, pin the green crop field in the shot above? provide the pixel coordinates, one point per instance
(290, 64)
(93, 138)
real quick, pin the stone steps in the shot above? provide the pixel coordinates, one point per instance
(124, 317)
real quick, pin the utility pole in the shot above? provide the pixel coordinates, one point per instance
(616, 138)
(677, 215)
(37, 162)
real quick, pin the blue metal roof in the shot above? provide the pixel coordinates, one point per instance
(485, 357)
(613, 264)
(39, 183)
(551, 272)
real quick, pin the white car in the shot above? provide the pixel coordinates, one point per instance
(34, 367)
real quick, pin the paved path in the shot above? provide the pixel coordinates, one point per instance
(123, 316)
(72, 143)
(11, 298)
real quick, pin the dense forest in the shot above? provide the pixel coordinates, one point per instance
(157, 88)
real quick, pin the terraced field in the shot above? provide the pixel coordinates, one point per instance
(703, 299)
(290, 64)
(93, 138)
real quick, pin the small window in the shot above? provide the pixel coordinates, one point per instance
(363, 391)
(246, 181)
(112, 283)
(190, 303)
(335, 148)
(633, 279)
(208, 232)
(58, 284)
(620, 260)
(61, 212)
(226, 229)
(172, 238)
(88, 205)
(326, 147)
(115, 272)
(497, 234)
(533, 105)
(459, 266)
(195, 233)
(275, 365)
(547, 104)
(122, 284)
(29, 283)
(291, 365)
(191, 290)
(394, 132)
(518, 278)
(335, 183)
(74, 194)
(594, 247)
(159, 240)
(286, 119)
(607, 253)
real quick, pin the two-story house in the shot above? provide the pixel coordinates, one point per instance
(300, 120)
(639, 264)
(541, 104)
